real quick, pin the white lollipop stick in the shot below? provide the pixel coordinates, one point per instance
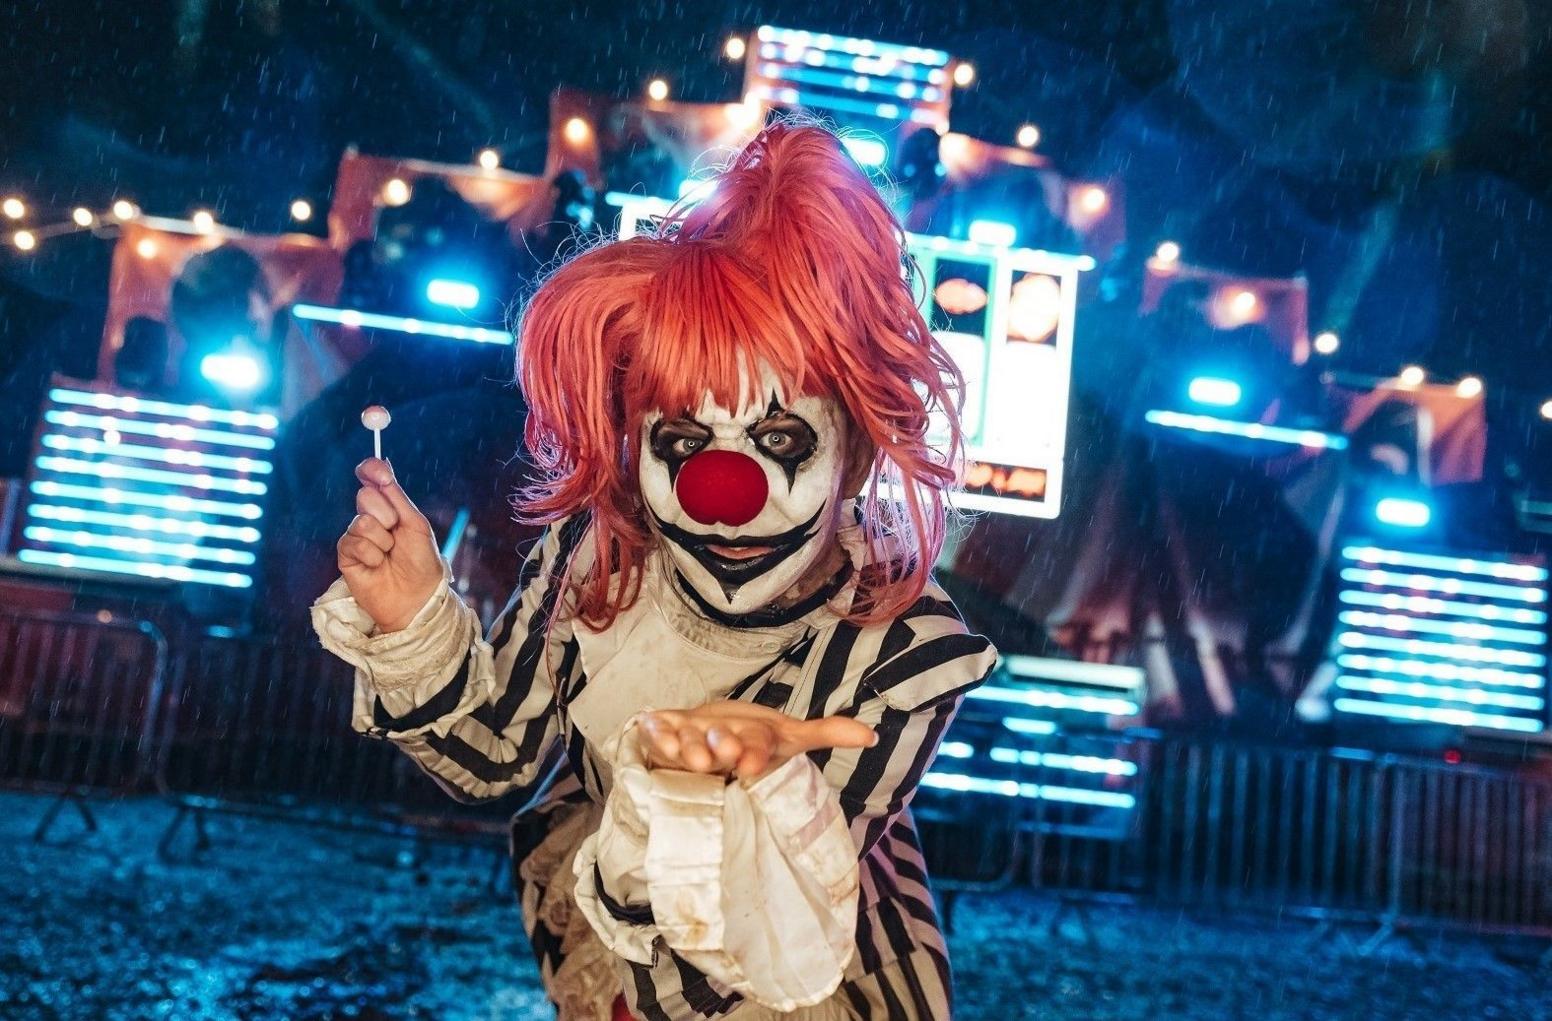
(376, 418)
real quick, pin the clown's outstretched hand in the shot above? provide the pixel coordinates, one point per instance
(388, 556)
(740, 738)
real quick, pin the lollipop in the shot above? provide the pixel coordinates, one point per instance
(376, 418)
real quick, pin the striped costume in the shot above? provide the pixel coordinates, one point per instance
(487, 715)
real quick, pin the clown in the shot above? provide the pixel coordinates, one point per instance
(727, 643)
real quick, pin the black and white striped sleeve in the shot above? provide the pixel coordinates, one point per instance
(476, 712)
(910, 679)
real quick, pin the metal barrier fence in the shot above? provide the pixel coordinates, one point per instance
(79, 698)
(93, 705)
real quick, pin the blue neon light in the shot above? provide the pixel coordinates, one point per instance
(173, 502)
(956, 749)
(105, 470)
(229, 371)
(142, 523)
(1453, 629)
(129, 544)
(1442, 650)
(848, 44)
(1400, 512)
(1012, 789)
(1211, 390)
(870, 152)
(142, 405)
(1444, 607)
(1440, 671)
(171, 572)
(1109, 706)
(166, 455)
(1443, 693)
(1449, 586)
(994, 233)
(1454, 565)
(1037, 728)
(162, 430)
(399, 324)
(1429, 714)
(456, 294)
(1311, 438)
(1057, 760)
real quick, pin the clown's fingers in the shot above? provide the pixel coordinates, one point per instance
(833, 732)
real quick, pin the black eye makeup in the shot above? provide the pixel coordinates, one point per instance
(676, 440)
(786, 439)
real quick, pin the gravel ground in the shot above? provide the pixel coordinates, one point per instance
(281, 921)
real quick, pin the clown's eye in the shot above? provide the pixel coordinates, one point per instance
(684, 446)
(676, 440)
(788, 439)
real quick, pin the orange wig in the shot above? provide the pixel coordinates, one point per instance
(794, 261)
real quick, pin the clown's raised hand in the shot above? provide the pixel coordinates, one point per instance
(739, 738)
(388, 555)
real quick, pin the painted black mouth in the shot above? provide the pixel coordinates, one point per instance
(731, 574)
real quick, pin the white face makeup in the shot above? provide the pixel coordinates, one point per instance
(745, 502)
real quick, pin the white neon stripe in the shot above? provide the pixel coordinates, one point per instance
(1443, 650)
(1454, 565)
(1038, 727)
(172, 572)
(1444, 607)
(129, 544)
(1057, 760)
(1311, 438)
(142, 405)
(166, 455)
(143, 523)
(163, 430)
(174, 501)
(956, 749)
(106, 470)
(1454, 629)
(1441, 671)
(1428, 714)
(1056, 700)
(848, 44)
(1012, 789)
(1434, 583)
(1415, 689)
(400, 324)
(1128, 678)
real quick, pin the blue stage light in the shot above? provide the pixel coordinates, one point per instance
(1403, 512)
(233, 371)
(1311, 438)
(459, 294)
(994, 233)
(402, 324)
(1215, 391)
(697, 190)
(870, 152)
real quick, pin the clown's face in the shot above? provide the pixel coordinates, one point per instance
(746, 502)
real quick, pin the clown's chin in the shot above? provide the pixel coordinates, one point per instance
(734, 562)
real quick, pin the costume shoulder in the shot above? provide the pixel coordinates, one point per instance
(925, 656)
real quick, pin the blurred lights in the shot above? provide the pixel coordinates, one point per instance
(964, 73)
(1028, 136)
(301, 210)
(204, 221)
(124, 209)
(232, 371)
(1211, 390)
(993, 232)
(1034, 308)
(1167, 254)
(24, 240)
(1401, 512)
(657, 90)
(870, 152)
(396, 192)
(14, 207)
(1243, 303)
(742, 115)
(734, 48)
(1327, 342)
(1093, 199)
(145, 248)
(1546, 409)
(489, 159)
(82, 216)
(1471, 386)
(577, 131)
(453, 294)
(1412, 375)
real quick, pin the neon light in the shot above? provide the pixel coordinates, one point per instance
(1418, 647)
(1455, 565)
(993, 233)
(1441, 671)
(1075, 671)
(1403, 513)
(399, 324)
(1444, 607)
(956, 749)
(1454, 629)
(1449, 586)
(1220, 393)
(232, 371)
(1416, 689)
(164, 430)
(1312, 438)
(142, 405)
(166, 455)
(456, 294)
(174, 501)
(107, 470)
(143, 523)
(129, 544)
(1057, 700)
(1427, 714)
(172, 572)
(1056, 760)
(1036, 727)
(848, 44)
(869, 152)
(1012, 789)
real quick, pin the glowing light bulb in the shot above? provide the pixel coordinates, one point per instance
(1028, 136)
(145, 248)
(301, 210)
(124, 209)
(1471, 386)
(396, 192)
(964, 73)
(1168, 253)
(1244, 303)
(1093, 199)
(1326, 342)
(1546, 409)
(14, 207)
(25, 240)
(657, 90)
(489, 159)
(577, 131)
(82, 216)
(734, 48)
(204, 221)
(1413, 375)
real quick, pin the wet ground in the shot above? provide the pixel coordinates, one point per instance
(281, 921)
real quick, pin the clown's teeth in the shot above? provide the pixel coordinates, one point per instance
(740, 552)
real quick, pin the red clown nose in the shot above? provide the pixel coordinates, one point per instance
(721, 486)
